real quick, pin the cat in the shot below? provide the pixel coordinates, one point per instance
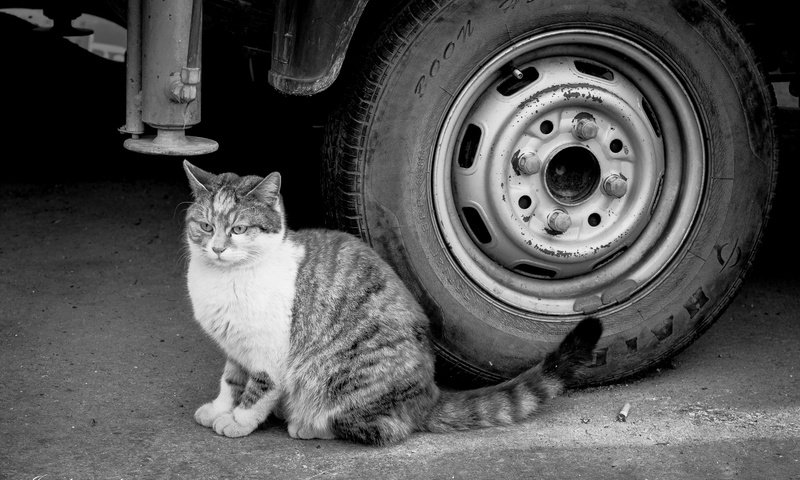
(317, 328)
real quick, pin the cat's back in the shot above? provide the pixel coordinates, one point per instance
(329, 248)
(358, 336)
(338, 259)
(340, 275)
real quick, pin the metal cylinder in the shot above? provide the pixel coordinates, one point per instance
(559, 221)
(165, 41)
(133, 68)
(195, 32)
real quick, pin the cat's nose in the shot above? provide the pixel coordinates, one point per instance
(218, 250)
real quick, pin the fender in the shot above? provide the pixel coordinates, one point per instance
(309, 42)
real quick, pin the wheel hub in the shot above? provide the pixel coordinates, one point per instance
(549, 145)
(572, 175)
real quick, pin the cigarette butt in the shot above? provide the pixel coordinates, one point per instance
(622, 416)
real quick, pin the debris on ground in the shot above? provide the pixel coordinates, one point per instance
(622, 416)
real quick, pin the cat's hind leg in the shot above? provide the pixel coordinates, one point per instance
(231, 387)
(371, 430)
(259, 397)
(307, 432)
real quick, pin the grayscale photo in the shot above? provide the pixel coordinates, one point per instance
(399, 239)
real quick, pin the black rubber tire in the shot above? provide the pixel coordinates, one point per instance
(379, 146)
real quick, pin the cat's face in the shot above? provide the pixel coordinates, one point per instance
(233, 220)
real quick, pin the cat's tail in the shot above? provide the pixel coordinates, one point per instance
(517, 399)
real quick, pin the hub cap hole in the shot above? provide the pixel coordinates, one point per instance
(651, 116)
(534, 271)
(616, 145)
(546, 127)
(469, 146)
(572, 175)
(477, 225)
(594, 219)
(594, 70)
(608, 260)
(512, 85)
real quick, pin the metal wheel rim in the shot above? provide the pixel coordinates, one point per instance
(658, 218)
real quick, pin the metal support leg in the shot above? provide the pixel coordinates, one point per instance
(170, 86)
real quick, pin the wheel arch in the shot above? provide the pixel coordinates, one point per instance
(309, 43)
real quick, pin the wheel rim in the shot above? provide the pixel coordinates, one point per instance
(568, 172)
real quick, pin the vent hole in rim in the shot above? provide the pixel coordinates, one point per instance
(476, 225)
(512, 85)
(534, 271)
(469, 146)
(594, 70)
(611, 258)
(651, 116)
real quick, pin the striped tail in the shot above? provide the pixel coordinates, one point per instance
(516, 400)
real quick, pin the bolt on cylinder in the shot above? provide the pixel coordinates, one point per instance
(559, 220)
(615, 185)
(584, 129)
(529, 163)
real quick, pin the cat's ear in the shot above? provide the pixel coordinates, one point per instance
(199, 179)
(268, 189)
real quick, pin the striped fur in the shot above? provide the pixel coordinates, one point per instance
(314, 321)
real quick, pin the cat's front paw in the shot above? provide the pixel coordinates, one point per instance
(228, 426)
(206, 414)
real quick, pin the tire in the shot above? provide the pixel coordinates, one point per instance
(646, 196)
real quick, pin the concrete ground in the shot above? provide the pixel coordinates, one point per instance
(102, 366)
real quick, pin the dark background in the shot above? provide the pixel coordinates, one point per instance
(62, 106)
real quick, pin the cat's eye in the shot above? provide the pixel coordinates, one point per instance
(239, 229)
(206, 227)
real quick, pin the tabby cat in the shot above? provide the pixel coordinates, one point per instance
(316, 327)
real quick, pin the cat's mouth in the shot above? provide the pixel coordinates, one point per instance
(218, 259)
(224, 259)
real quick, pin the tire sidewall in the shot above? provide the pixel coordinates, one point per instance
(423, 77)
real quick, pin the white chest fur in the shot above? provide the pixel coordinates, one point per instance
(248, 310)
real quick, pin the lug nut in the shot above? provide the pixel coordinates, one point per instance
(584, 129)
(529, 163)
(559, 221)
(615, 185)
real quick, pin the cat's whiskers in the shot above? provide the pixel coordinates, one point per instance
(184, 255)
